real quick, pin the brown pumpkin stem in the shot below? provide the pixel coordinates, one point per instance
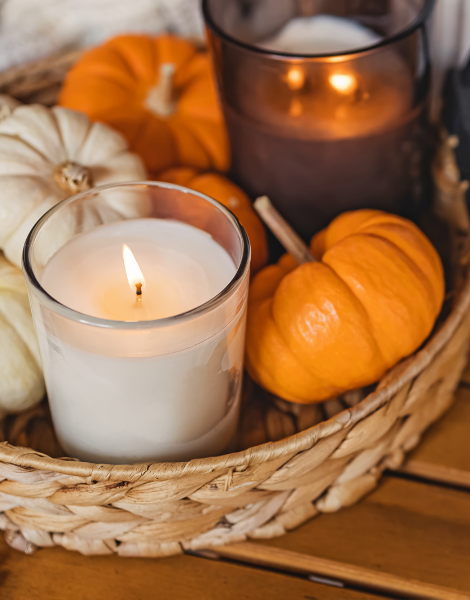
(72, 177)
(5, 111)
(292, 242)
(160, 99)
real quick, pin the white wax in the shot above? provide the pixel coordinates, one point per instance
(131, 394)
(321, 34)
(182, 265)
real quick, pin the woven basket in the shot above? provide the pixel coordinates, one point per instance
(260, 492)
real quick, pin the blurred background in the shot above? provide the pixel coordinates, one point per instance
(30, 29)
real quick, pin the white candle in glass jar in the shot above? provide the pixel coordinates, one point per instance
(141, 386)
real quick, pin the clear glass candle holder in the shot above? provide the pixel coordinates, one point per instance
(126, 391)
(321, 133)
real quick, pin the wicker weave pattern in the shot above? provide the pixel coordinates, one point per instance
(163, 509)
(159, 510)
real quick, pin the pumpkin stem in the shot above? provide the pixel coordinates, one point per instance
(160, 99)
(72, 177)
(283, 231)
(5, 111)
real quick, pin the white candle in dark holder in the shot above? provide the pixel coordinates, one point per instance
(325, 102)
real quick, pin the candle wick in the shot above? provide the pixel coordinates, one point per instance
(138, 289)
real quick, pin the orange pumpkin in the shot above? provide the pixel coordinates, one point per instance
(159, 93)
(322, 328)
(227, 193)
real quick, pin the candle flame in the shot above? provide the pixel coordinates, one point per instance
(133, 272)
(295, 78)
(344, 83)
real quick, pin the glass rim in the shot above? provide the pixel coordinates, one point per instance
(402, 34)
(79, 317)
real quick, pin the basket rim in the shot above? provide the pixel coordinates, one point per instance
(397, 377)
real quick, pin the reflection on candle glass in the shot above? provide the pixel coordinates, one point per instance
(295, 78)
(344, 83)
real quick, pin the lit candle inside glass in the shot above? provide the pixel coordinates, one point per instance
(146, 361)
(324, 102)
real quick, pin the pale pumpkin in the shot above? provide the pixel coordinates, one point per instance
(7, 105)
(227, 193)
(47, 155)
(21, 381)
(320, 329)
(160, 93)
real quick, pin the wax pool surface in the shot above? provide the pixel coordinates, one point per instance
(321, 34)
(182, 265)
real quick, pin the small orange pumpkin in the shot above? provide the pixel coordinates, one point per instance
(322, 328)
(227, 193)
(159, 93)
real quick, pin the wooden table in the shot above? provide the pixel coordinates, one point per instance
(409, 538)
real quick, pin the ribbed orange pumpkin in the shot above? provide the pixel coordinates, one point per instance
(159, 93)
(222, 189)
(317, 330)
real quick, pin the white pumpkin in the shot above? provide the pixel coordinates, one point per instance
(21, 381)
(7, 105)
(47, 155)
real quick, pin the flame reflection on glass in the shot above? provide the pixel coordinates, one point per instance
(295, 78)
(344, 83)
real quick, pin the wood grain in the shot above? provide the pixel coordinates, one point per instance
(444, 453)
(466, 375)
(303, 563)
(56, 574)
(415, 532)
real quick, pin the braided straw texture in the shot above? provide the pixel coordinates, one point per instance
(325, 458)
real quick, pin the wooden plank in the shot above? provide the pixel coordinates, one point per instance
(437, 473)
(409, 538)
(303, 563)
(444, 453)
(56, 574)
